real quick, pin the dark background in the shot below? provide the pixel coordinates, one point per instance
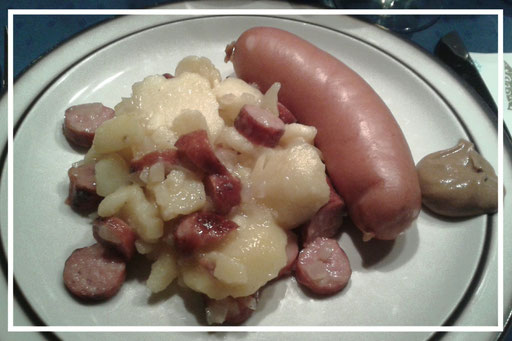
(36, 35)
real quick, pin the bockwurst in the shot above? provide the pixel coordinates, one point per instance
(365, 152)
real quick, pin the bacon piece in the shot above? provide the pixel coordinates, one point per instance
(323, 267)
(327, 220)
(259, 126)
(230, 311)
(115, 233)
(94, 273)
(82, 195)
(168, 157)
(195, 147)
(224, 191)
(81, 122)
(285, 115)
(201, 229)
(292, 251)
(168, 75)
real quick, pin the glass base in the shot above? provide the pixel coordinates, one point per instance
(396, 23)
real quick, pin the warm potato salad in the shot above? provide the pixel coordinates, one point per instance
(154, 171)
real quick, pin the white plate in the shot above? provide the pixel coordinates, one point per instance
(425, 277)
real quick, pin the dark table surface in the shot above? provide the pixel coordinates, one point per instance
(36, 35)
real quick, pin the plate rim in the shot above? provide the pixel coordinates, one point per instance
(20, 119)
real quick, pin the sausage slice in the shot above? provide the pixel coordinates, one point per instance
(201, 229)
(285, 114)
(259, 126)
(81, 122)
(168, 158)
(94, 273)
(196, 147)
(327, 220)
(224, 191)
(82, 196)
(323, 267)
(115, 233)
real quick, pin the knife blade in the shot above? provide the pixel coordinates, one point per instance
(452, 51)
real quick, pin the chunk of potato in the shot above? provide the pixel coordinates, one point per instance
(145, 248)
(118, 133)
(189, 121)
(130, 203)
(163, 272)
(181, 193)
(252, 255)
(230, 137)
(236, 87)
(292, 182)
(230, 105)
(146, 145)
(157, 101)
(164, 138)
(228, 269)
(156, 173)
(91, 155)
(296, 133)
(200, 65)
(232, 94)
(112, 172)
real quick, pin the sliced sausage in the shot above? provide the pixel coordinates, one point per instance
(81, 122)
(323, 267)
(365, 152)
(168, 157)
(292, 251)
(230, 311)
(259, 126)
(327, 220)
(285, 115)
(201, 229)
(196, 147)
(82, 196)
(94, 272)
(115, 233)
(224, 191)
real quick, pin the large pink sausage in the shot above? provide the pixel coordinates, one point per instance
(365, 152)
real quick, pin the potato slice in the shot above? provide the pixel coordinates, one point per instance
(292, 182)
(228, 269)
(189, 121)
(200, 65)
(296, 133)
(246, 259)
(130, 203)
(163, 272)
(230, 137)
(118, 133)
(181, 193)
(232, 94)
(112, 172)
